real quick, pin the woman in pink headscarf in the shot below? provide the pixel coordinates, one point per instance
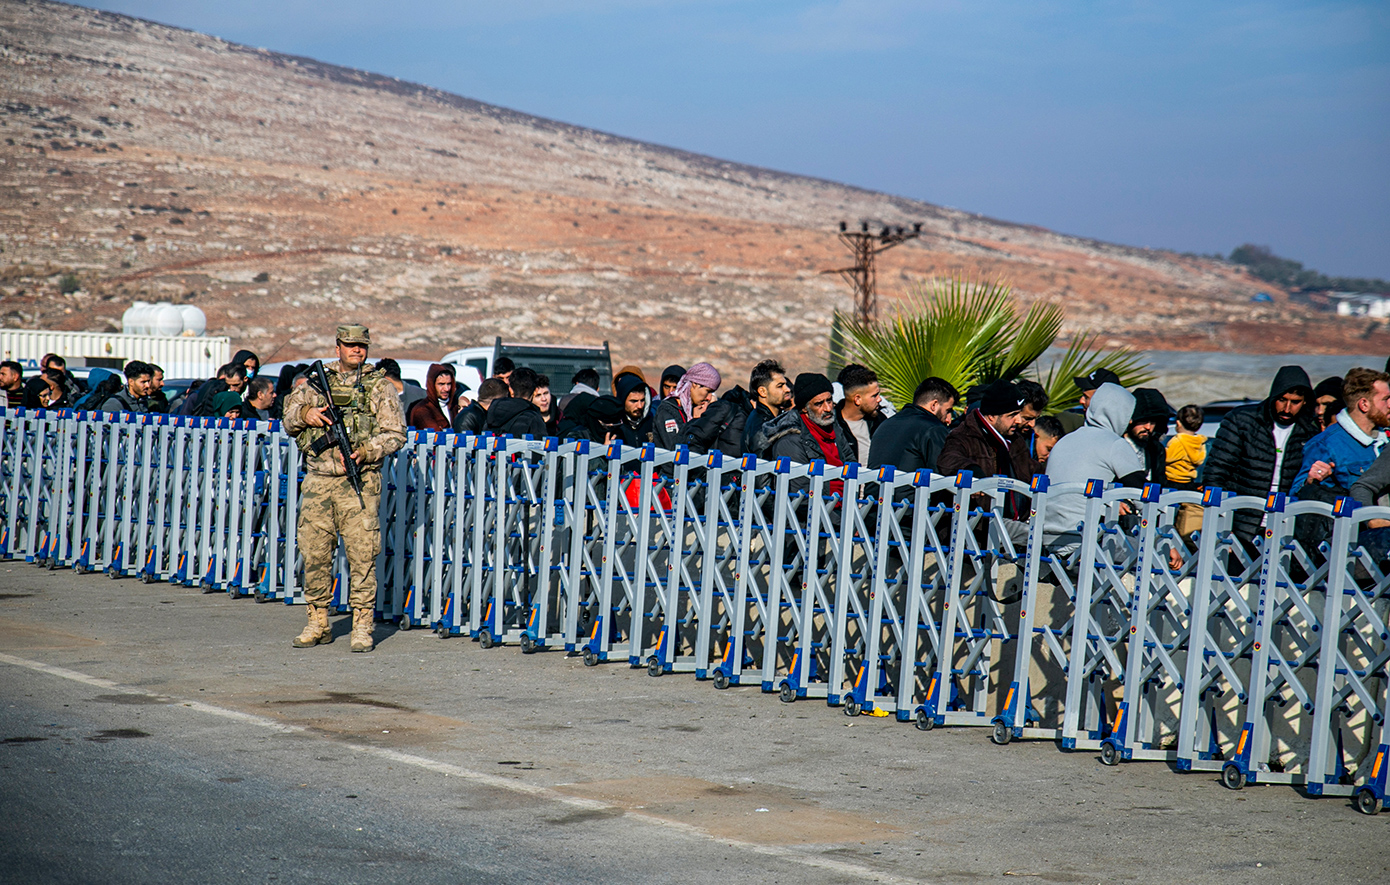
(693, 395)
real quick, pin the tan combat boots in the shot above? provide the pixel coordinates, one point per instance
(362, 629)
(317, 631)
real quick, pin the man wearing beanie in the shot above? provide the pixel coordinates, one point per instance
(980, 443)
(692, 395)
(807, 433)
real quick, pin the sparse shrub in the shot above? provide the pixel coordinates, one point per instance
(69, 283)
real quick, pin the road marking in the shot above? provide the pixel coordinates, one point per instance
(450, 770)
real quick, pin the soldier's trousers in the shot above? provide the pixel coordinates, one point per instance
(328, 508)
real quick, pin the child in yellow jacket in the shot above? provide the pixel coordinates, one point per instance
(1187, 449)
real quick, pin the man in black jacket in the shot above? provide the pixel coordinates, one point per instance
(860, 413)
(516, 415)
(721, 426)
(631, 391)
(771, 393)
(911, 440)
(473, 419)
(1258, 449)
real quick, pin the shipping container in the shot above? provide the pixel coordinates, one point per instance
(183, 357)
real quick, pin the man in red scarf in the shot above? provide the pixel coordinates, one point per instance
(808, 433)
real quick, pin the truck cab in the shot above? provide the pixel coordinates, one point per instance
(559, 362)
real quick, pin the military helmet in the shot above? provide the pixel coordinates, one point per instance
(354, 334)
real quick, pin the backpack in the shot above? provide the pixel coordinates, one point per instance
(102, 388)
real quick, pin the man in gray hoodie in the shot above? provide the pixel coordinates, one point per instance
(1097, 450)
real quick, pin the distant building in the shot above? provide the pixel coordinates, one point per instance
(1361, 304)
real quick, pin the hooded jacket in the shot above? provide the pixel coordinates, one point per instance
(515, 417)
(427, 414)
(1150, 405)
(241, 356)
(1097, 450)
(639, 432)
(1243, 453)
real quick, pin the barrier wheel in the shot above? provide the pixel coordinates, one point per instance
(146, 578)
(81, 570)
(404, 623)
(721, 680)
(485, 639)
(590, 658)
(1367, 802)
(1232, 778)
(528, 644)
(1111, 756)
(925, 722)
(1002, 734)
(853, 707)
(235, 592)
(787, 694)
(654, 667)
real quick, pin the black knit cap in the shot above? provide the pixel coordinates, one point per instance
(810, 385)
(1001, 398)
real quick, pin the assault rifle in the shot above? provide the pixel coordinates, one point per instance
(335, 434)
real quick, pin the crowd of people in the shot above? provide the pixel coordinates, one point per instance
(1312, 442)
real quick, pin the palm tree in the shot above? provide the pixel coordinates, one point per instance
(969, 332)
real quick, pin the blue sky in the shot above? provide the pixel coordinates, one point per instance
(1188, 125)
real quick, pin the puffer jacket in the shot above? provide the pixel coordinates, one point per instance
(1242, 455)
(786, 437)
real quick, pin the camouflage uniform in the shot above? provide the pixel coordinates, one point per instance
(328, 507)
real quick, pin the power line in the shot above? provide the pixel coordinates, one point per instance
(861, 276)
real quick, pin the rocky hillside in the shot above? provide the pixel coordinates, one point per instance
(282, 195)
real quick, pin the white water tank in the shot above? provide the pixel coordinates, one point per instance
(133, 320)
(164, 319)
(194, 323)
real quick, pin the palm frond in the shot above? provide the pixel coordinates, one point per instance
(1082, 358)
(969, 332)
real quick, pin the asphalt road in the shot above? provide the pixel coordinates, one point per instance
(154, 734)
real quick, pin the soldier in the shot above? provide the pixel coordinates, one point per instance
(328, 507)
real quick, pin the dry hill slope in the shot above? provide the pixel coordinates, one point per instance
(281, 194)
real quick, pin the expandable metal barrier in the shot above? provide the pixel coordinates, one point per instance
(883, 592)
